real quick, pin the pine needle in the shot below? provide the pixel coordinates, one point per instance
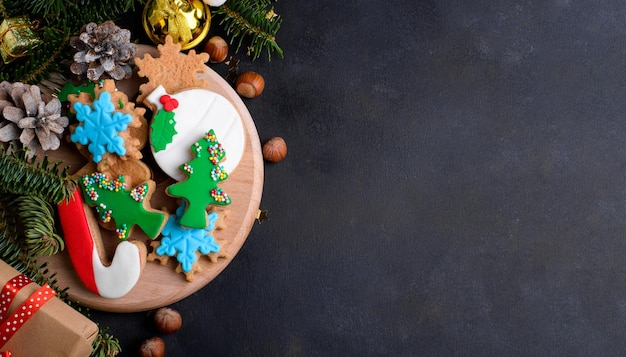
(252, 20)
(23, 176)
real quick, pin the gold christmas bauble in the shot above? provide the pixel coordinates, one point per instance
(187, 21)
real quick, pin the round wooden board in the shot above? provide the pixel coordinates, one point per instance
(160, 285)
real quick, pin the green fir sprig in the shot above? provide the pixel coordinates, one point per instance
(58, 21)
(105, 345)
(36, 219)
(10, 251)
(15, 252)
(21, 175)
(253, 20)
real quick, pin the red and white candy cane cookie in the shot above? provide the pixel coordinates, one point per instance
(84, 245)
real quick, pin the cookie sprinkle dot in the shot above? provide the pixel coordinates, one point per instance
(219, 195)
(218, 173)
(101, 181)
(122, 232)
(198, 149)
(216, 153)
(139, 193)
(105, 214)
(210, 137)
(187, 168)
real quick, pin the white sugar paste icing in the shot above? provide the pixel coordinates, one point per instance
(117, 279)
(198, 111)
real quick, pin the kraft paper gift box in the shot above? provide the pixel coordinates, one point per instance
(52, 328)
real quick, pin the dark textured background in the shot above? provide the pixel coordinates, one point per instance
(454, 186)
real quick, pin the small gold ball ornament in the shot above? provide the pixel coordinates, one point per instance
(187, 21)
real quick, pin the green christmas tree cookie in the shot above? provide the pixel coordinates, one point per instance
(126, 207)
(200, 188)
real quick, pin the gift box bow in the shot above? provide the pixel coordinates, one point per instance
(11, 323)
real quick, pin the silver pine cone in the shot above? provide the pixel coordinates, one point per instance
(31, 117)
(103, 50)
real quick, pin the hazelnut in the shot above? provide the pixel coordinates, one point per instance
(249, 84)
(167, 320)
(275, 149)
(152, 347)
(217, 48)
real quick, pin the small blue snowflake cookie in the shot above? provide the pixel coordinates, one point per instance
(100, 126)
(187, 244)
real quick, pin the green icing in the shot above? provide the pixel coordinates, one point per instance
(162, 129)
(200, 188)
(113, 201)
(69, 88)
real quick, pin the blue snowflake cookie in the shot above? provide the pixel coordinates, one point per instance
(185, 243)
(99, 127)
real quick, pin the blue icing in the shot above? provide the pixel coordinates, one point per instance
(184, 242)
(100, 126)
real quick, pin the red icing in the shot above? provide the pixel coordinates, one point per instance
(78, 239)
(168, 102)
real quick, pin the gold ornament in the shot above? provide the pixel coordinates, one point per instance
(17, 36)
(187, 21)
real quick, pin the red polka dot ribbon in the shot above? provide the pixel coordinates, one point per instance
(11, 323)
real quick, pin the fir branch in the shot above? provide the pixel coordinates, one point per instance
(10, 251)
(97, 11)
(251, 19)
(105, 345)
(15, 253)
(72, 13)
(52, 7)
(55, 48)
(23, 176)
(36, 217)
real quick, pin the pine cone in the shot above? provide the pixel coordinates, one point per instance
(104, 48)
(27, 115)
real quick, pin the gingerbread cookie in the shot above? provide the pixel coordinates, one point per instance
(200, 189)
(127, 208)
(111, 132)
(173, 70)
(187, 244)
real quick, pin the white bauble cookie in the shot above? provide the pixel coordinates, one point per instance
(198, 111)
